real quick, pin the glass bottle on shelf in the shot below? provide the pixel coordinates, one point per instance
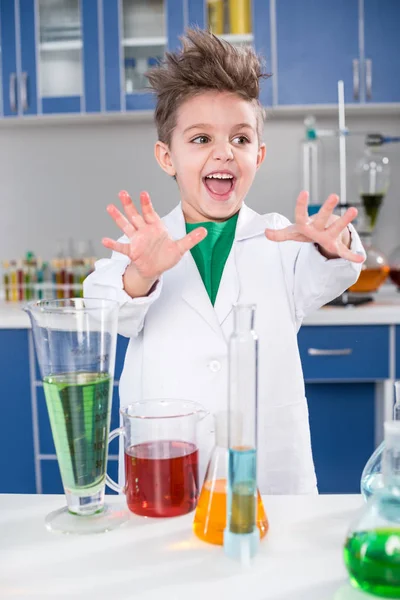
(372, 478)
(374, 177)
(372, 546)
(144, 37)
(60, 50)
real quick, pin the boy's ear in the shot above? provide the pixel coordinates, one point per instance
(261, 154)
(163, 157)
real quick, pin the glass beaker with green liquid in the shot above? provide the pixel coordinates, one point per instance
(75, 341)
(372, 547)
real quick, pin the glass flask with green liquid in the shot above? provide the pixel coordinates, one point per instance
(372, 547)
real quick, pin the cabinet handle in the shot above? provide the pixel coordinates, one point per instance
(13, 92)
(24, 91)
(356, 79)
(337, 352)
(368, 78)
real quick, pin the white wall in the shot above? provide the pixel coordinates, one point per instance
(56, 180)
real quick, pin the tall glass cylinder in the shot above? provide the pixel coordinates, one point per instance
(241, 536)
(75, 341)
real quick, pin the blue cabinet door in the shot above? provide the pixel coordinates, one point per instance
(382, 50)
(16, 441)
(261, 28)
(398, 352)
(342, 423)
(65, 55)
(28, 58)
(131, 46)
(8, 58)
(317, 43)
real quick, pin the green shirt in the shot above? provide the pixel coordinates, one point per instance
(210, 254)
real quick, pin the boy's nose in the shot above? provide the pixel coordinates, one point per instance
(222, 152)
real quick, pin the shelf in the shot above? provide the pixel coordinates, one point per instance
(63, 45)
(144, 41)
(237, 38)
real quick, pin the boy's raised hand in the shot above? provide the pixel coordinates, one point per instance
(327, 230)
(150, 248)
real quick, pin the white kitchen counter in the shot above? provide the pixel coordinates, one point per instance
(149, 559)
(384, 310)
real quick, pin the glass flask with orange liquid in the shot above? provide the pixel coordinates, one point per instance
(375, 269)
(210, 517)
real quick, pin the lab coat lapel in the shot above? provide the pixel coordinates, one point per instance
(247, 226)
(193, 289)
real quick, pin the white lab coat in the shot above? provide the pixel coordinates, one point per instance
(178, 340)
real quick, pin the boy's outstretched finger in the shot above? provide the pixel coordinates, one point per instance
(326, 210)
(337, 227)
(301, 211)
(191, 239)
(116, 246)
(122, 222)
(148, 212)
(129, 208)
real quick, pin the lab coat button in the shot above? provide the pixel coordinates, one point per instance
(214, 366)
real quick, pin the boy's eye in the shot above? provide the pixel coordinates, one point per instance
(240, 139)
(201, 139)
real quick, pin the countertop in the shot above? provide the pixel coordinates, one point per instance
(385, 309)
(149, 559)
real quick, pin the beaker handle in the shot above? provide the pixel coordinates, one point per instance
(110, 482)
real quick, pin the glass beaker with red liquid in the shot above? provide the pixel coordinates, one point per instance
(161, 456)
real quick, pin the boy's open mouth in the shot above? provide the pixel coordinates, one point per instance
(220, 184)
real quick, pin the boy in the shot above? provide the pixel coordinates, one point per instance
(176, 305)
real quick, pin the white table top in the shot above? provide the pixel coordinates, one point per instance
(149, 559)
(385, 310)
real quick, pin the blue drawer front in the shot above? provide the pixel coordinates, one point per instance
(365, 352)
(342, 423)
(51, 478)
(16, 440)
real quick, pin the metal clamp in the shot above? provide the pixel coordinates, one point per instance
(368, 78)
(13, 92)
(336, 352)
(356, 79)
(24, 91)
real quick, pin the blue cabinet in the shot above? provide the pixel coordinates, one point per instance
(382, 50)
(317, 44)
(17, 456)
(397, 344)
(50, 60)
(341, 365)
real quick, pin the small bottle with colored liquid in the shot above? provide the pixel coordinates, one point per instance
(372, 547)
(210, 517)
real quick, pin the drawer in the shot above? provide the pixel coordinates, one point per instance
(122, 344)
(344, 352)
(46, 443)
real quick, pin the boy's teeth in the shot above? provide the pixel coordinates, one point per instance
(219, 176)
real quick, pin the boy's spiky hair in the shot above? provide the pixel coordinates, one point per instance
(204, 63)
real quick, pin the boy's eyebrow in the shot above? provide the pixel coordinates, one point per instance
(206, 125)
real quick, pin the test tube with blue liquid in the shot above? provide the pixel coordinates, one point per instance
(241, 536)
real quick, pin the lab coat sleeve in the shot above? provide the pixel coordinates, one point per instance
(312, 279)
(106, 282)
